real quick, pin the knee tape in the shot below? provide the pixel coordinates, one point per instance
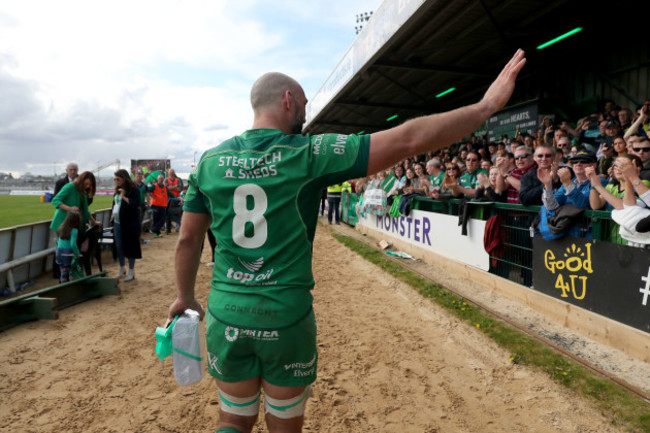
(290, 408)
(242, 406)
(228, 430)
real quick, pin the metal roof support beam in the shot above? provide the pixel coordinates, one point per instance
(379, 105)
(496, 25)
(401, 86)
(431, 68)
(621, 90)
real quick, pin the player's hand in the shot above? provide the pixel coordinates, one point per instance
(501, 89)
(179, 306)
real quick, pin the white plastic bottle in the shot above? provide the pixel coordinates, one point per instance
(186, 349)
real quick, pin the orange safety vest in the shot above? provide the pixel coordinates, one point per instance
(173, 183)
(159, 196)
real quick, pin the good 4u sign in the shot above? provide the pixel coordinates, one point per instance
(609, 279)
(572, 268)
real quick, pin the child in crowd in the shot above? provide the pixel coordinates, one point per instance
(66, 247)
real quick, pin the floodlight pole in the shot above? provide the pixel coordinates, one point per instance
(361, 19)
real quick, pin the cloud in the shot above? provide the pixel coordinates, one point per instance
(94, 81)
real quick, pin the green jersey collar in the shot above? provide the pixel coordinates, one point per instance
(261, 132)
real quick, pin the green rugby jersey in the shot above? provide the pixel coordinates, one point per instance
(262, 190)
(470, 180)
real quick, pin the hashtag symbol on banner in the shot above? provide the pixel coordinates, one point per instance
(645, 290)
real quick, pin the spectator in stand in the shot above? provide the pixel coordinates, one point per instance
(640, 125)
(486, 164)
(606, 161)
(529, 141)
(159, 199)
(611, 128)
(487, 187)
(632, 140)
(492, 150)
(452, 174)
(553, 135)
(611, 195)
(511, 181)
(401, 180)
(436, 175)
(422, 184)
(461, 164)
(642, 150)
(412, 184)
(514, 144)
(573, 190)
(564, 144)
(608, 108)
(378, 180)
(574, 149)
(507, 158)
(126, 222)
(467, 183)
(620, 147)
(625, 119)
(532, 188)
(71, 174)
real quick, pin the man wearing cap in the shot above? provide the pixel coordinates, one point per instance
(608, 130)
(574, 190)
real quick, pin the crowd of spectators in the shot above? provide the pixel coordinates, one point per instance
(590, 164)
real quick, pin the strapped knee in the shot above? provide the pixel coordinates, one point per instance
(228, 430)
(241, 406)
(289, 408)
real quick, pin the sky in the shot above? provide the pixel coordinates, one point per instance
(95, 82)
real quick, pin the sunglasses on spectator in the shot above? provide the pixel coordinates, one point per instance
(524, 156)
(641, 149)
(544, 155)
(471, 160)
(452, 168)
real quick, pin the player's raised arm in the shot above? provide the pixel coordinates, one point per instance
(432, 132)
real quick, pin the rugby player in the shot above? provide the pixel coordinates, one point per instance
(259, 194)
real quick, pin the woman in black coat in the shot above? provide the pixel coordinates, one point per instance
(126, 222)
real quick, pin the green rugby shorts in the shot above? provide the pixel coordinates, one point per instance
(283, 357)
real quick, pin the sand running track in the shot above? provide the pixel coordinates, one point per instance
(390, 361)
